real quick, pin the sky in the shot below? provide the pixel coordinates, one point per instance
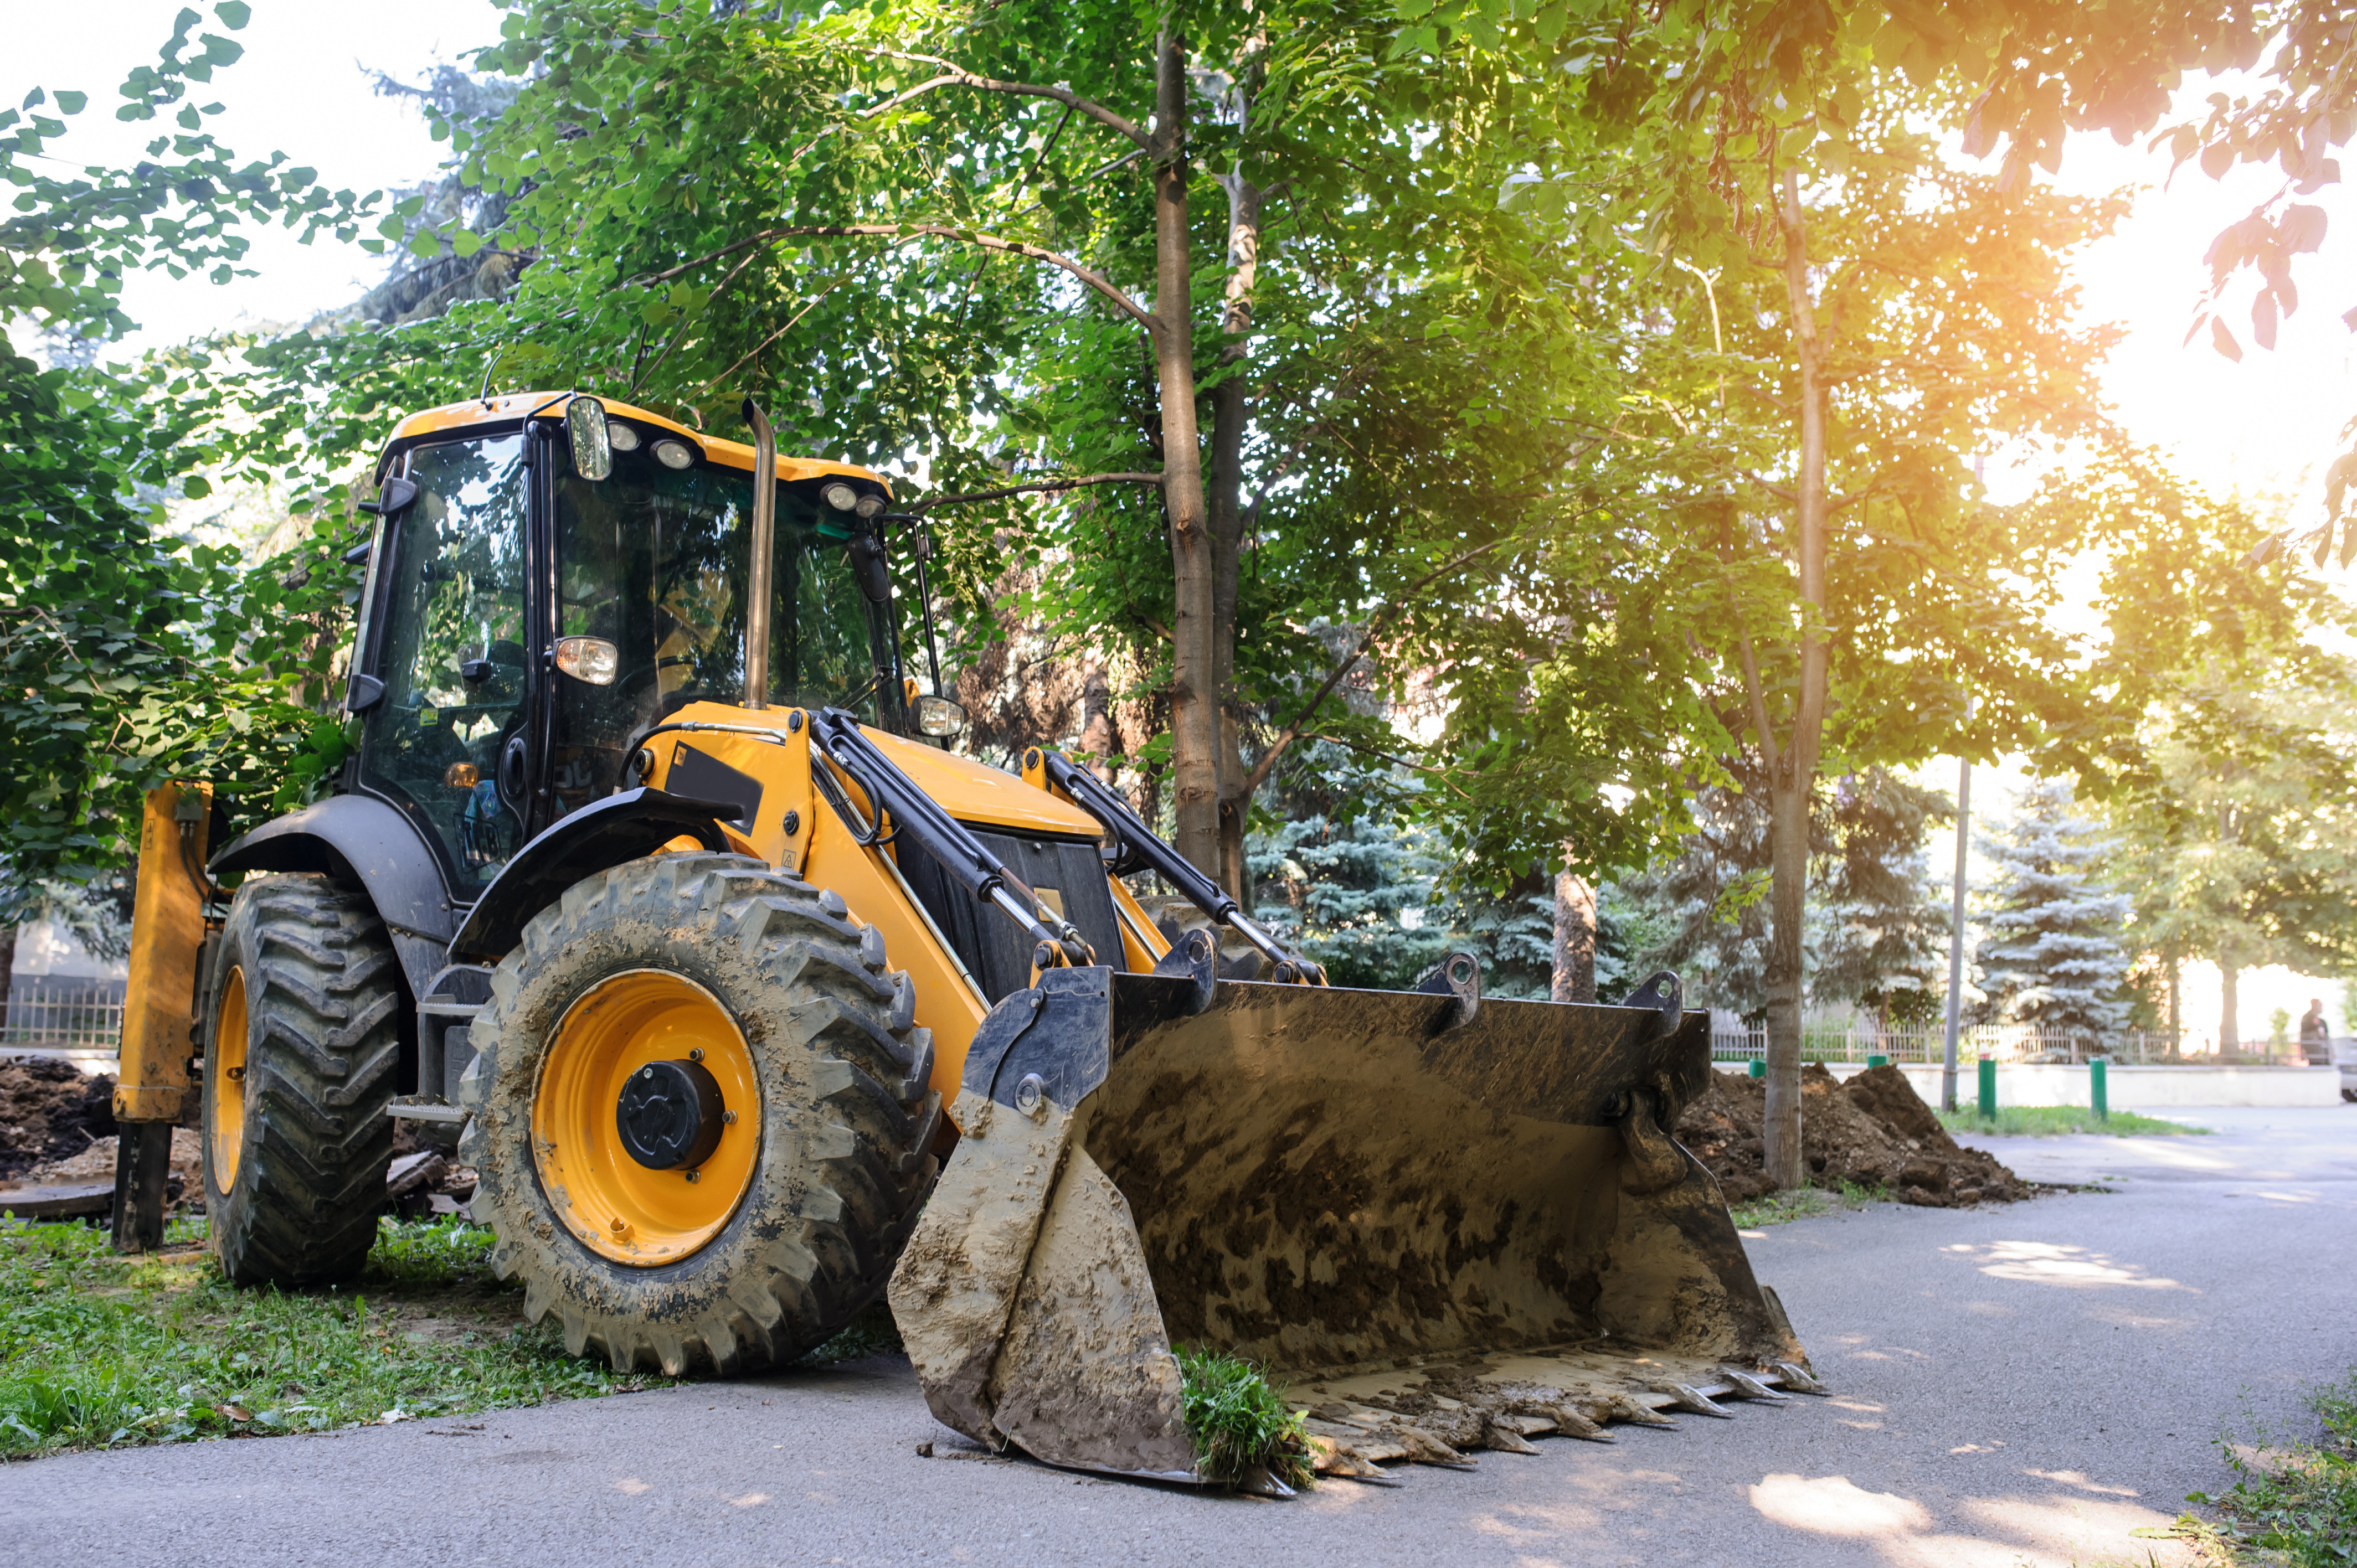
(303, 88)
(2264, 428)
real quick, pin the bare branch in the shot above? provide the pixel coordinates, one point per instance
(1043, 485)
(676, 338)
(1089, 276)
(955, 75)
(1267, 762)
(773, 336)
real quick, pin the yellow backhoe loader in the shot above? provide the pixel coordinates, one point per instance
(649, 890)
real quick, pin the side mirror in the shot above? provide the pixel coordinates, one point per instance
(939, 716)
(593, 443)
(397, 493)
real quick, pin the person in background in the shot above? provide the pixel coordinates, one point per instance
(2315, 1033)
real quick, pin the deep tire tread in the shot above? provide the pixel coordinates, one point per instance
(778, 1282)
(324, 999)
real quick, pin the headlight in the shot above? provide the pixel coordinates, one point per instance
(672, 455)
(869, 506)
(939, 716)
(589, 659)
(840, 496)
(622, 436)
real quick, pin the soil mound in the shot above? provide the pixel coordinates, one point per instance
(1874, 1131)
(50, 1110)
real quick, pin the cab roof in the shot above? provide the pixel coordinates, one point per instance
(510, 407)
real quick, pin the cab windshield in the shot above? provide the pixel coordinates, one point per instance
(653, 559)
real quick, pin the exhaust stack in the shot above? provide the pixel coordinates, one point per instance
(756, 578)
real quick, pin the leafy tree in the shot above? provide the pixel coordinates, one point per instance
(128, 655)
(2052, 953)
(2237, 843)
(1876, 927)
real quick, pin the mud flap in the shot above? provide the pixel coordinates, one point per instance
(1441, 1230)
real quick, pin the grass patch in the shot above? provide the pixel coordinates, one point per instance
(1801, 1203)
(1238, 1421)
(2293, 1502)
(98, 1350)
(2050, 1121)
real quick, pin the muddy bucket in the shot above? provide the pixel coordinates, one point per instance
(1441, 1220)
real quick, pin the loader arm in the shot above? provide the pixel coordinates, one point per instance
(1134, 841)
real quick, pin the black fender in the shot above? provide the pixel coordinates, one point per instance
(606, 834)
(362, 839)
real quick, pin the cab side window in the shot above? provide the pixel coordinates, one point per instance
(454, 655)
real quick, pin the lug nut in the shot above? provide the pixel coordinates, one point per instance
(728, 1118)
(695, 1053)
(692, 1175)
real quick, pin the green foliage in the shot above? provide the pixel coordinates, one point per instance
(2294, 1500)
(1802, 1203)
(2052, 955)
(98, 1350)
(128, 655)
(1878, 925)
(2052, 1120)
(1238, 1421)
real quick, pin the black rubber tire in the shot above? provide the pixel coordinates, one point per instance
(324, 998)
(848, 1122)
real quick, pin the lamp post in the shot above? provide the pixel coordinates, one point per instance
(1957, 929)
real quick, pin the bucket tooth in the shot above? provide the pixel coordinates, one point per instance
(1798, 1380)
(1425, 1449)
(1505, 1439)
(1748, 1387)
(1257, 1482)
(1572, 1423)
(1637, 1413)
(1334, 1456)
(1695, 1399)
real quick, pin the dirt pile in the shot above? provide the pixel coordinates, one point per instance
(1874, 1131)
(50, 1110)
(96, 1162)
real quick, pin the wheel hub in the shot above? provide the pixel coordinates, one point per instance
(646, 1121)
(670, 1114)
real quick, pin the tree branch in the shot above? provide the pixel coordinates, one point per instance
(773, 336)
(955, 75)
(1267, 762)
(1043, 485)
(1089, 276)
(678, 336)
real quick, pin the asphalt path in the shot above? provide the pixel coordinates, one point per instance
(2026, 1384)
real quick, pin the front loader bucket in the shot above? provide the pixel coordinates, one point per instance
(1440, 1231)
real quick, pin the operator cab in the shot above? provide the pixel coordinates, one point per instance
(630, 585)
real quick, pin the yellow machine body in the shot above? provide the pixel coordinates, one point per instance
(1446, 1221)
(168, 931)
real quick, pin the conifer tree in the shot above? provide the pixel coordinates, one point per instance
(2053, 955)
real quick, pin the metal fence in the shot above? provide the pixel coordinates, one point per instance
(1852, 1038)
(63, 1013)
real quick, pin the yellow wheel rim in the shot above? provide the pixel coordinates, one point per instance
(226, 1070)
(615, 1206)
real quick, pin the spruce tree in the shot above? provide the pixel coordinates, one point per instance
(2052, 954)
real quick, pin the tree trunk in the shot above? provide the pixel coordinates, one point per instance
(1575, 937)
(1794, 773)
(1194, 689)
(1231, 410)
(7, 972)
(2230, 1026)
